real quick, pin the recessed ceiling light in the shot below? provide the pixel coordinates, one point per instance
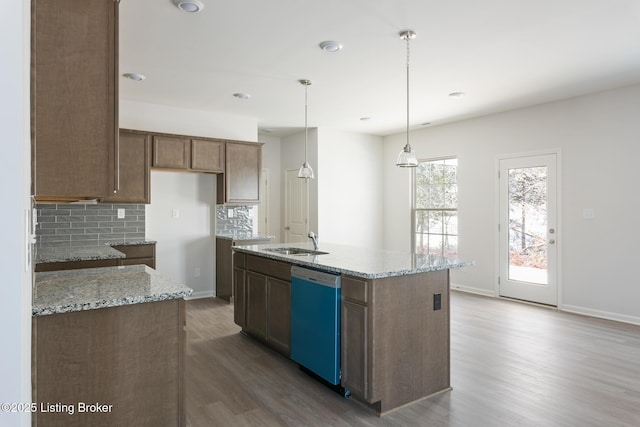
(456, 94)
(331, 46)
(191, 6)
(241, 95)
(134, 76)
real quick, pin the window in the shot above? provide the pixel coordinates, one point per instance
(436, 207)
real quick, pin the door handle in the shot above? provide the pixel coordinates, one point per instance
(552, 241)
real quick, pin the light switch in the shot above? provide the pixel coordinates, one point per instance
(588, 213)
(120, 213)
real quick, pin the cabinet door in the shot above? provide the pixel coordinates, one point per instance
(279, 314)
(135, 162)
(207, 155)
(242, 172)
(74, 98)
(239, 299)
(256, 305)
(171, 152)
(354, 342)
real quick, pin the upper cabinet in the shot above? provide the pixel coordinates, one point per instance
(135, 162)
(237, 163)
(74, 115)
(242, 173)
(186, 153)
(171, 152)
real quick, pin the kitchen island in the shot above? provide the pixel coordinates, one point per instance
(108, 347)
(394, 331)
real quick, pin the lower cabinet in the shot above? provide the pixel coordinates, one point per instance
(262, 302)
(117, 366)
(395, 344)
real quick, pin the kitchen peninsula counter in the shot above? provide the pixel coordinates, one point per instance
(91, 288)
(112, 335)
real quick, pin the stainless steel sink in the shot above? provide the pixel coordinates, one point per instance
(296, 251)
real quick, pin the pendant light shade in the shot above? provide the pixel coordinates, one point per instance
(407, 157)
(305, 171)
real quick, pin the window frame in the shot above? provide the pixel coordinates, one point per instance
(415, 209)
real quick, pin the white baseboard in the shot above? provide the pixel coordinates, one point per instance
(600, 314)
(201, 294)
(472, 290)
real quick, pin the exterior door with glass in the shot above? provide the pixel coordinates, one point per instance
(528, 235)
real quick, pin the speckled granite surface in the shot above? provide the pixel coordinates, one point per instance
(87, 289)
(358, 262)
(238, 237)
(84, 253)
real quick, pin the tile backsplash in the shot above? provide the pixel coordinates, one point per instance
(87, 224)
(234, 219)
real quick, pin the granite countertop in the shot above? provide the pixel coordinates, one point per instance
(359, 262)
(91, 288)
(84, 253)
(238, 237)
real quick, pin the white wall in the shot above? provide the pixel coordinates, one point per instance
(188, 242)
(15, 304)
(598, 136)
(271, 160)
(350, 183)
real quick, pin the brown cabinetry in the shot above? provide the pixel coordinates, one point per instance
(224, 265)
(395, 346)
(207, 155)
(242, 173)
(128, 358)
(178, 152)
(263, 302)
(74, 116)
(135, 162)
(171, 152)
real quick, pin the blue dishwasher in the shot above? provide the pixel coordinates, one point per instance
(315, 322)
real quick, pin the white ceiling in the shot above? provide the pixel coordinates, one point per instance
(503, 54)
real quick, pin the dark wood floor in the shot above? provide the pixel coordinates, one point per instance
(512, 364)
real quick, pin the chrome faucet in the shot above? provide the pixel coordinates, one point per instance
(314, 237)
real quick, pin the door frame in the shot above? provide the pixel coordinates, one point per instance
(559, 226)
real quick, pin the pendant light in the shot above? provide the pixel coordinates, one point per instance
(407, 157)
(306, 171)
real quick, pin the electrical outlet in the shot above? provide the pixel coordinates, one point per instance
(437, 301)
(175, 213)
(120, 213)
(230, 213)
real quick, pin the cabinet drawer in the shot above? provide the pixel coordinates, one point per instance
(136, 251)
(238, 260)
(354, 289)
(269, 267)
